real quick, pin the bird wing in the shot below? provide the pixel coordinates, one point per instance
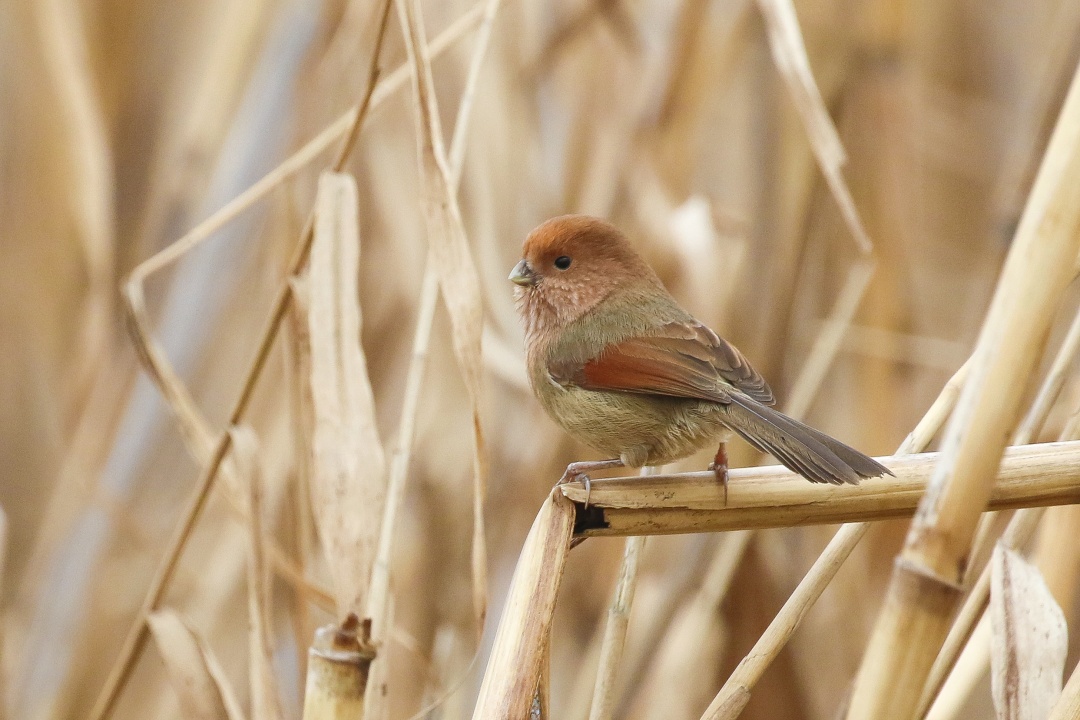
(681, 360)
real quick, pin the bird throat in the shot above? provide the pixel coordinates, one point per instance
(548, 307)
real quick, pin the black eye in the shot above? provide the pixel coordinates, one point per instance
(562, 262)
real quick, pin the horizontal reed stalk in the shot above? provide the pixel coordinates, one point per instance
(765, 497)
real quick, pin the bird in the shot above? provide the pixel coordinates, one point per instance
(620, 365)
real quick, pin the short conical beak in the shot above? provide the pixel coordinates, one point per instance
(522, 274)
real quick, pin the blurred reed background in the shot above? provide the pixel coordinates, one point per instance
(124, 124)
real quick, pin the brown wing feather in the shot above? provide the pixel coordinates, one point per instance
(681, 360)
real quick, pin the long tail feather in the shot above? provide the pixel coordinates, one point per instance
(799, 447)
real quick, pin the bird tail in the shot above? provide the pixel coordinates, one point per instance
(800, 448)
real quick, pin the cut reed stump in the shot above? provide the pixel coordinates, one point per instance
(339, 662)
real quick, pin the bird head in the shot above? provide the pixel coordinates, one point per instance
(569, 264)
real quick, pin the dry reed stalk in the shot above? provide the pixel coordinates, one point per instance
(735, 693)
(942, 695)
(1057, 556)
(618, 618)
(300, 412)
(137, 635)
(789, 54)
(211, 583)
(262, 683)
(514, 664)
(923, 592)
(200, 683)
(458, 279)
(194, 428)
(379, 598)
(993, 525)
(348, 471)
(602, 705)
(962, 642)
(380, 601)
(338, 664)
(1050, 389)
(969, 671)
(1029, 639)
(1017, 527)
(773, 496)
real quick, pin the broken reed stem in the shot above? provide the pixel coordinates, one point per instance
(338, 664)
(514, 665)
(135, 641)
(924, 589)
(773, 496)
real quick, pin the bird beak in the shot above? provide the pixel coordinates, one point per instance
(522, 274)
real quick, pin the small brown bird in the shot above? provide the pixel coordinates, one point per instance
(619, 365)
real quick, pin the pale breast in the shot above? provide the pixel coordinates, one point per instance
(648, 430)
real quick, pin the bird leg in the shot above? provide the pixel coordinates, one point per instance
(577, 470)
(719, 466)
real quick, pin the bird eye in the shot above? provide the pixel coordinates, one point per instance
(562, 262)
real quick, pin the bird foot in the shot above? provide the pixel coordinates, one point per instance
(719, 467)
(581, 477)
(577, 472)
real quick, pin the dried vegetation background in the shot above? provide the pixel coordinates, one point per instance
(692, 125)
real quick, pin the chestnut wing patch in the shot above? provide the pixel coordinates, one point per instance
(681, 360)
